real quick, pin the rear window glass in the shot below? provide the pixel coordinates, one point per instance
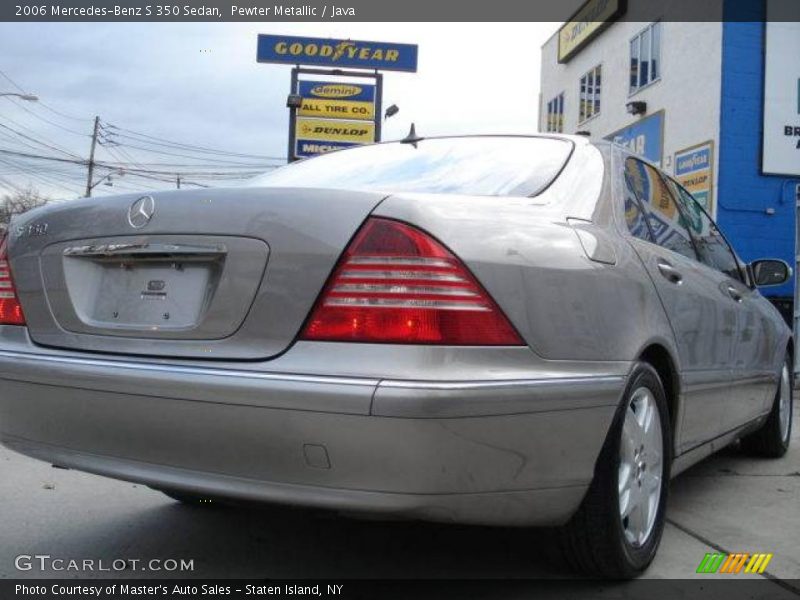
(481, 166)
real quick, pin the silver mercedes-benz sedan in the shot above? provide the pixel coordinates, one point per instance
(494, 329)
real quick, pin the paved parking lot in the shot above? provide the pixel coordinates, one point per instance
(727, 503)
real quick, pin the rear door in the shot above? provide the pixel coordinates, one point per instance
(703, 315)
(754, 371)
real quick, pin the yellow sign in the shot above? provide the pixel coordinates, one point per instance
(693, 168)
(336, 109)
(327, 130)
(589, 21)
(336, 90)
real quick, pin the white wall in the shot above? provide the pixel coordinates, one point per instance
(688, 91)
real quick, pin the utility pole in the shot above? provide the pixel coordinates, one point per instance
(91, 157)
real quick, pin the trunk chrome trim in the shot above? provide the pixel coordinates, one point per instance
(186, 370)
(502, 384)
(588, 380)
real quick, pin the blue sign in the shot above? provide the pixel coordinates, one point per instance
(306, 148)
(336, 90)
(645, 137)
(690, 162)
(336, 53)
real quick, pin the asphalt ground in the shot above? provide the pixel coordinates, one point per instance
(728, 503)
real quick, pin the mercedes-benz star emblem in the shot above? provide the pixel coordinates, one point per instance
(141, 211)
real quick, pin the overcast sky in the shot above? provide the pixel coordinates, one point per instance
(200, 83)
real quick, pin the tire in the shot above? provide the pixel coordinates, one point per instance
(773, 438)
(600, 540)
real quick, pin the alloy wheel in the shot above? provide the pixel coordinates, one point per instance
(641, 467)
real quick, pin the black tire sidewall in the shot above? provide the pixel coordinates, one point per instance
(638, 558)
(776, 407)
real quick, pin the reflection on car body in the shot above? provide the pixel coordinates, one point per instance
(503, 330)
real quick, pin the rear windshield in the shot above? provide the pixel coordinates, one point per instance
(482, 166)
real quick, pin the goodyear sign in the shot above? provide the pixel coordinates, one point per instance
(693, 170)
(644, 137)
(325, 130)
(334, 100)
(336, 53)
(588, 22)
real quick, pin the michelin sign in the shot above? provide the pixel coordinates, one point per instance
(333, 53)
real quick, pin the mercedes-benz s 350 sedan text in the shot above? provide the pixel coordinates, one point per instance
(493, 329)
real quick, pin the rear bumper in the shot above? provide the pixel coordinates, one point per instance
(511, 451)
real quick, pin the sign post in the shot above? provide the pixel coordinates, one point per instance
(333, 113)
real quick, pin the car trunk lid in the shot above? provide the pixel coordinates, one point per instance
(223, 273)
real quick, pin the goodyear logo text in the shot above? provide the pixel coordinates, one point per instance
(338, 53)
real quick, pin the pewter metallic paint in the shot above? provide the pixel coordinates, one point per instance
(501, 435)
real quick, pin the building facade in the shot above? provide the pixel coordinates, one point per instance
(716, 104)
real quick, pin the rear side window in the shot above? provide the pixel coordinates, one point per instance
(634, 217)
(712, 248)
(480, 166)
(667, 223)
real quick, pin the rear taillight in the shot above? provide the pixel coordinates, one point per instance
(396, 284)
(10, 309)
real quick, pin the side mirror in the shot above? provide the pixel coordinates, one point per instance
(770, 271)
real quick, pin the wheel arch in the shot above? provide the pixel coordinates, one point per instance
(661, 359)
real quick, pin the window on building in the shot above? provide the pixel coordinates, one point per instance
(645, 57)
(590, 94)
(555, 114)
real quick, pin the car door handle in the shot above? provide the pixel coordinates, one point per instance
(734, 293)
(669, 272)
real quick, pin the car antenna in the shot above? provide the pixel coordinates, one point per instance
(412, 137)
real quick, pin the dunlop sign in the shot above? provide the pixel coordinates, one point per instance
(589, 21)
(336, 53)
(334, 100)
(693, 170)
(324, 130)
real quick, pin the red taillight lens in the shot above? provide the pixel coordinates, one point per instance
(396, 284)
(10, 309)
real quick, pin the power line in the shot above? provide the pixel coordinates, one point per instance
(35, 141)
(181, 145)
(42, 157)
(12, 82)
(47, 179)
(19, 104)
(163, 152)
(40, 103)
(61, 114)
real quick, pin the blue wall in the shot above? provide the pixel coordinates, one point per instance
(743, 194)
